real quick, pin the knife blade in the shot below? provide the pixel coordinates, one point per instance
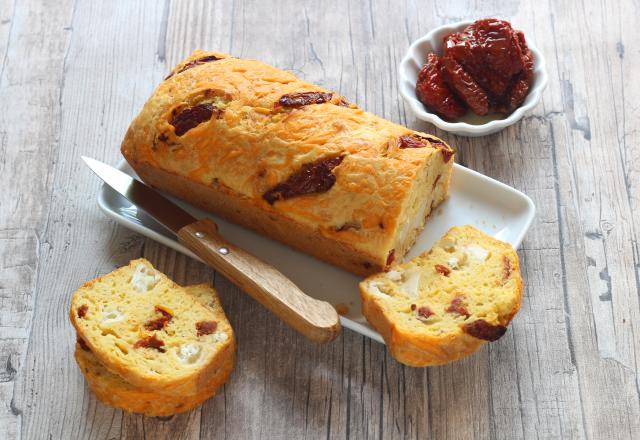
(317, 320)
(167, 213)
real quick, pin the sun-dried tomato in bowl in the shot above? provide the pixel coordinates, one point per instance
(486, 68)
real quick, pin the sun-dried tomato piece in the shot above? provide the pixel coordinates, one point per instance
(316, 177)
(447, 152)
(425, 311)
(83, 345)
(206, 327)
(434, 141)
(460, 49)
(465, 87)
(158, 323)
(82, 310)
(481, 329)
(410, 142)
(444, 270)
(296, 100)
(391, 257)
(498, 44)
(522, 42)
(191, 117)
(434, 93)
(521, 87)
(494, 56)
(194, 63)
(199, 61)
(150, 342)
(457, 306)
(506, 268)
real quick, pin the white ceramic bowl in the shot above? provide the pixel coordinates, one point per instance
(470, 124)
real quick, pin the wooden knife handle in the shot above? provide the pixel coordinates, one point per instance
(317, 320)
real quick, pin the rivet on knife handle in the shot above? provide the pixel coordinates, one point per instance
(317, 320)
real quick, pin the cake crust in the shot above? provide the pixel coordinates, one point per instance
(289, 159)
(112, 390)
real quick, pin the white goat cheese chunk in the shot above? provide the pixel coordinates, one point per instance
(477, 253)
(374, 287)
(144, 278)
(111, 316)
(189, 353)
(410, 283)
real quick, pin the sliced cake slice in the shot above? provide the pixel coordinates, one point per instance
(113, 390)
(446, 303)
(145, 328)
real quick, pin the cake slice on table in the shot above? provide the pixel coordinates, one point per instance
(446, 303)
(113, 390)
(151, 332)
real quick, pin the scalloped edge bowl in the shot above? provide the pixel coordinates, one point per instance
(472, 125)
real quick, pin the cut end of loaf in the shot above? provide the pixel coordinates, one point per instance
(428, 190)
(444, 304)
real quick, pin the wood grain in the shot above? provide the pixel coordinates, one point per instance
(74, 73)
(317, 320)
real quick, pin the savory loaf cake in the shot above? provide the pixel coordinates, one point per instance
(446, 303)
(289, 159)
(113, 390)
(150, 331)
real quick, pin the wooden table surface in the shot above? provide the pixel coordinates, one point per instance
(74, 73)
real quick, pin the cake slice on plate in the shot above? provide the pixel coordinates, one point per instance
(446, 303)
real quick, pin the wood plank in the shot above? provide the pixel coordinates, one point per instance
(106, 79)
(26, 153)
(597, 228)
(7, 11)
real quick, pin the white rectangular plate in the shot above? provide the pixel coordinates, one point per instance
(474, 199)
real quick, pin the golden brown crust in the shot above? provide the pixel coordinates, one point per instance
(251, 143)
(419, 349)
(416, 350)
(241, 211)
(112, 390)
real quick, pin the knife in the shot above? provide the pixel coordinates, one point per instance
(317, 320)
